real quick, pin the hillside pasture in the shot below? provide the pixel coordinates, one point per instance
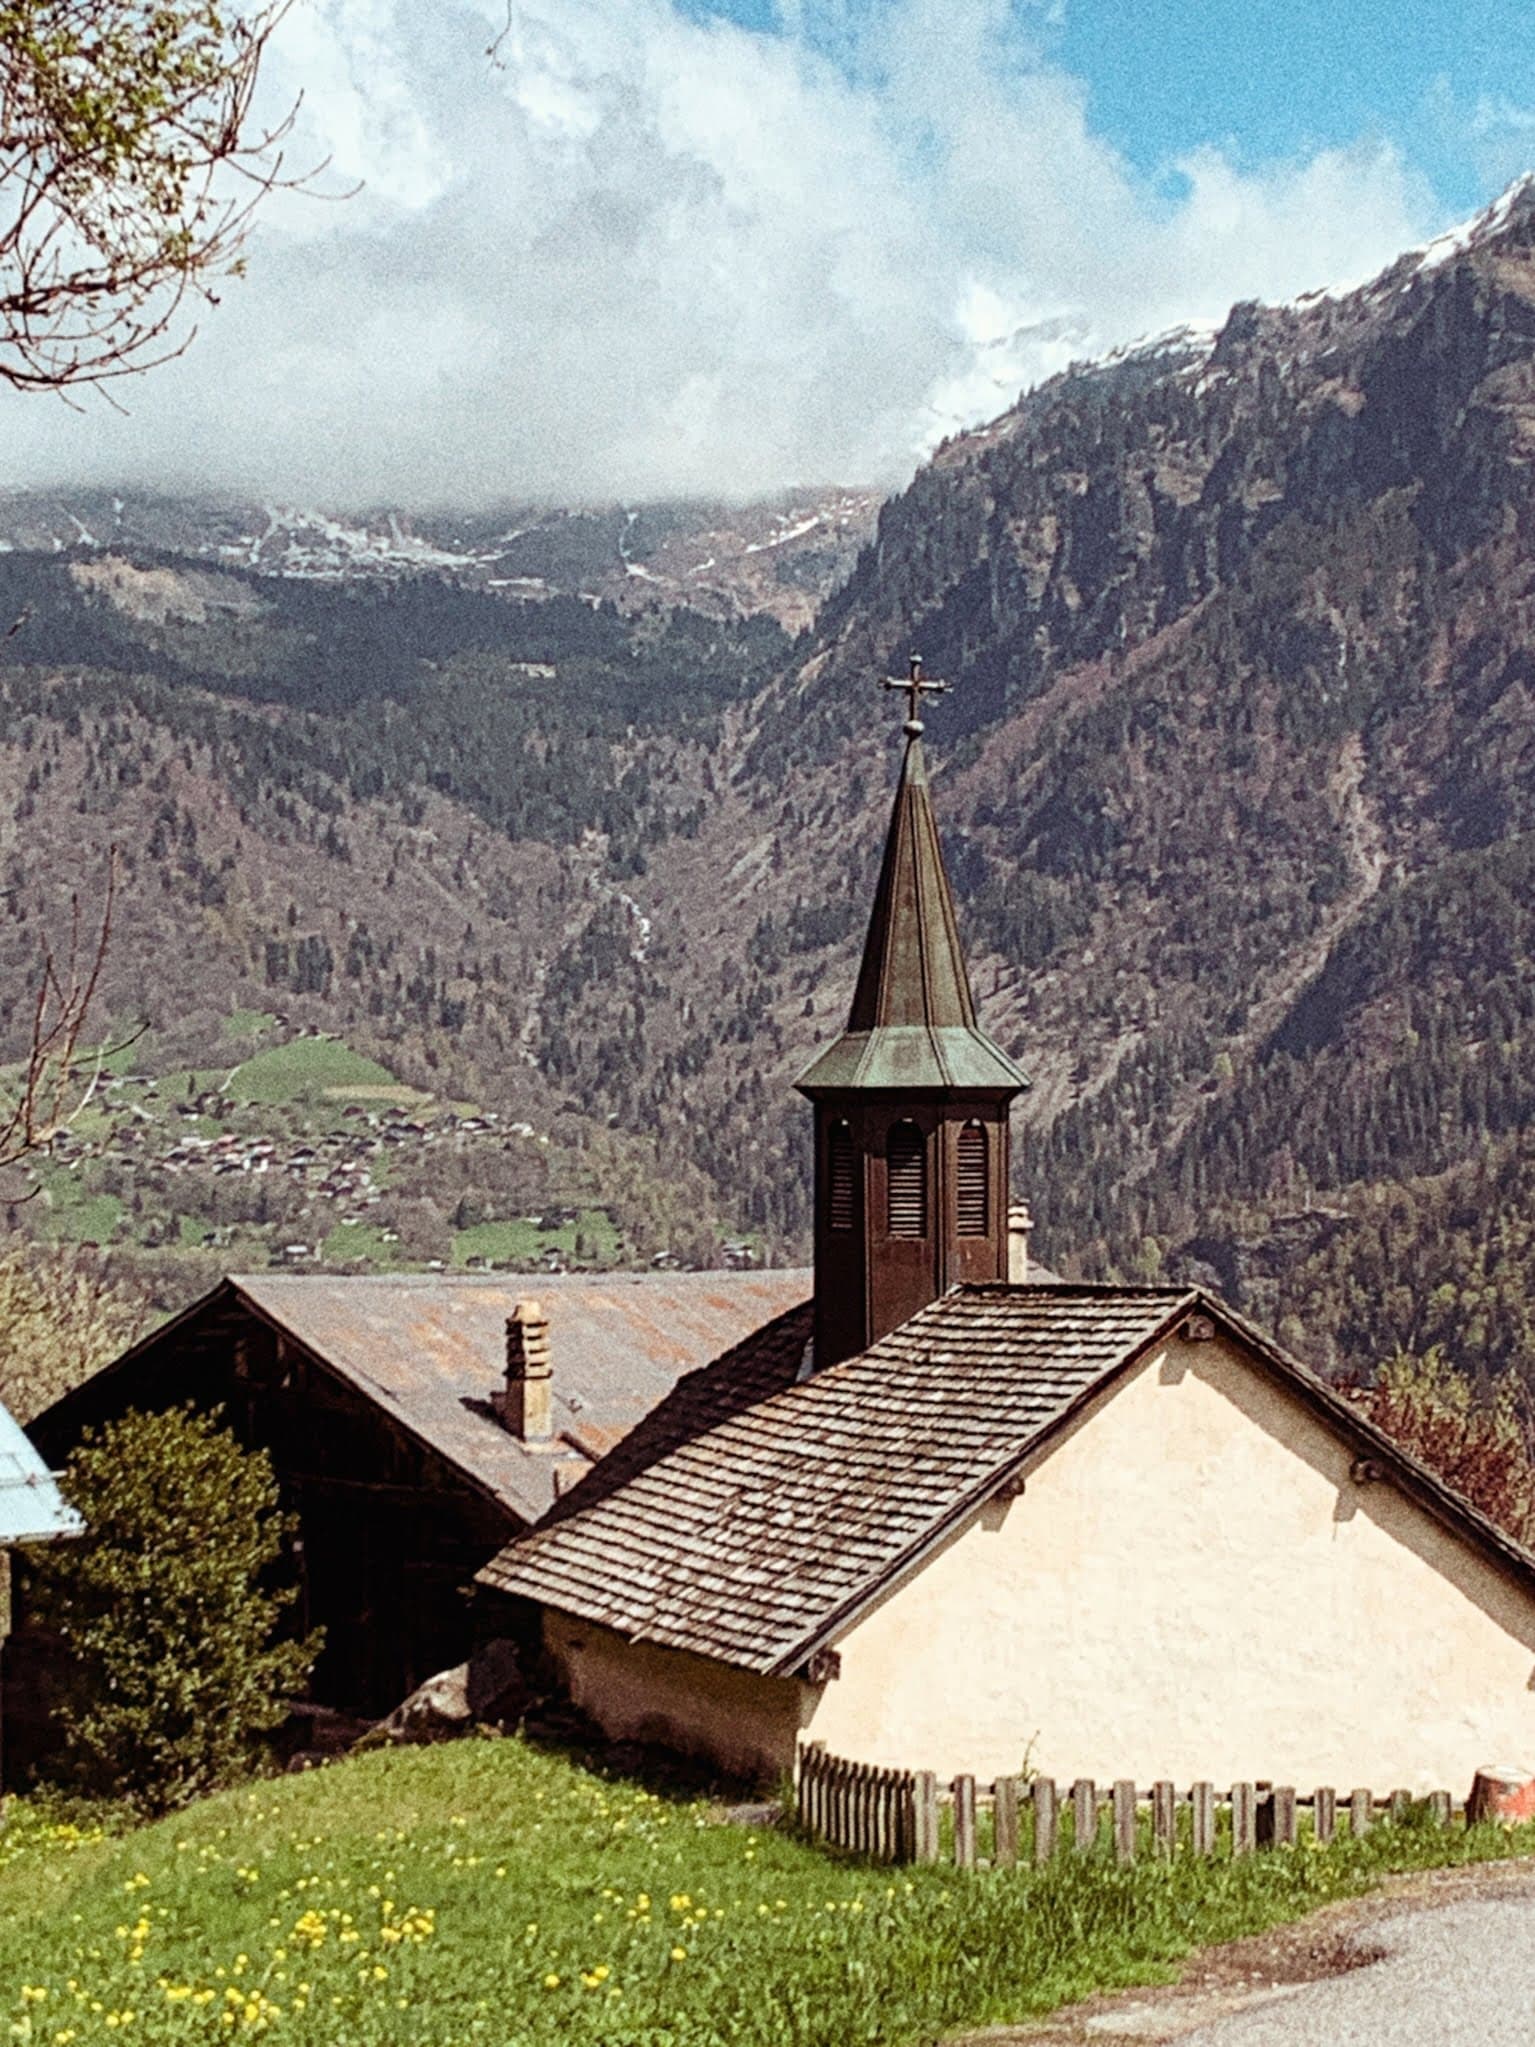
(591, 1239)
(492, 1892)
(305, 1069)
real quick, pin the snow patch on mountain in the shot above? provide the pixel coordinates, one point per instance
(1481, 226)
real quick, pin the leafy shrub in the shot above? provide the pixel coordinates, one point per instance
(169, 1610)
(1479, 1445)
(62, 1316)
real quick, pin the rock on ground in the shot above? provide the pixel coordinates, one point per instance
(488, 1690)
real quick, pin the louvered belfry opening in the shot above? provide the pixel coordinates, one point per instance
(972, 1206)
(905, 1181)
(841, 1182)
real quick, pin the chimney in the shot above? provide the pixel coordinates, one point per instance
(1020, 1220)
(525, 1405)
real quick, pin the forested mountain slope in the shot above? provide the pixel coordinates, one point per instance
(383, 813)
(1237, 778)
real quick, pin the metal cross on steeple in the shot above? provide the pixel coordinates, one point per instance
(917, 686)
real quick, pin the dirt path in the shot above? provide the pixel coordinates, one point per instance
(1245, 1975)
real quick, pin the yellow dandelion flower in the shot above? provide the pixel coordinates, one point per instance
(551, 1981)
(679, 1954)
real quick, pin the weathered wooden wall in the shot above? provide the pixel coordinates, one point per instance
(390, 1535)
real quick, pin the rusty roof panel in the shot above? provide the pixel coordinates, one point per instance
(430, 1349)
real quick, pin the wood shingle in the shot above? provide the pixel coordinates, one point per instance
(754, 1505)
(759, 1507)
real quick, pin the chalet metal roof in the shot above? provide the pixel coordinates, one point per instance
(32, 1509)
(753, 1515)
(430, 1349)
(912, 1023)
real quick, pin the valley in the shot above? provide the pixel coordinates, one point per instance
(1235, 782)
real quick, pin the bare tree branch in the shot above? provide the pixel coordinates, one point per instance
(54, 1081)
(129, 176)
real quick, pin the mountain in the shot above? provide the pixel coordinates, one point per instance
(1237, 777)
(778, 557)
(358, 826)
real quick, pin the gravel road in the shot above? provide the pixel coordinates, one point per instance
(1444, 1959)
(1463, 1976)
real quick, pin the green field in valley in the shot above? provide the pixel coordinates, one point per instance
(307, 1067)
(77, 1216)
(492, 1892)
(359, 1243)
(591, 1240)
(248, 1023)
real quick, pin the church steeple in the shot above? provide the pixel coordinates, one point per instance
(911, 1101)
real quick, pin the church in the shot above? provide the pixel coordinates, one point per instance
(924, 1505)
(938, 1519)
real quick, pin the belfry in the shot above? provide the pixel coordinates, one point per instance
(911, 1102)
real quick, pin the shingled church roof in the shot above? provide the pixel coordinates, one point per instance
(755, 1513)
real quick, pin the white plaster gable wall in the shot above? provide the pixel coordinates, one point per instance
(1192, 1585)
(637, 1691)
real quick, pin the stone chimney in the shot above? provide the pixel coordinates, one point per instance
(525, 1406)
(1020, 1220)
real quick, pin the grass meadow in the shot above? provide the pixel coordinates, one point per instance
(494, 1892)
(306, 1067)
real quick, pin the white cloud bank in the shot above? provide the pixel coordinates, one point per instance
(643, 255)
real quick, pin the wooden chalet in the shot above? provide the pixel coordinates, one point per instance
(416, 1424)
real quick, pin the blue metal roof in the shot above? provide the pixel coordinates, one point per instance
(32, 1509)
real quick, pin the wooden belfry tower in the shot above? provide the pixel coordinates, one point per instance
(911, 1102)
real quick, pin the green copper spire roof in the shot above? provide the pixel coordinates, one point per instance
(912, 1023)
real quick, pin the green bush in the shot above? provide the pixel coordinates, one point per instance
(169, 1609)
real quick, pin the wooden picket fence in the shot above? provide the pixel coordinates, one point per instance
(895, 1815)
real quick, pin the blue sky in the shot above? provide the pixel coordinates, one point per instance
(1445, 80)
(1452, 86)
(700, 247)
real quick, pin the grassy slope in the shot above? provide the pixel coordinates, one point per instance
(490, 1892)
(523, 1242)
(305, 1067)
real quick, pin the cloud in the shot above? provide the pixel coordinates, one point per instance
(645, 254)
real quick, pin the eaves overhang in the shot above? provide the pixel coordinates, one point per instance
(1450, 1509)
(906, 1058)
